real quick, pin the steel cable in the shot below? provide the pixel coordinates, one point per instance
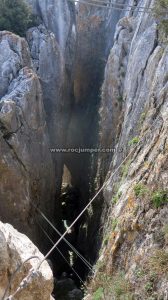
(145, 10)
(64, 239)
(46, 234)
(117, 4)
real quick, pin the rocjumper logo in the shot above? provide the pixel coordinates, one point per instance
(83, 150)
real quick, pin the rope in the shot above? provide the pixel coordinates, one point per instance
(46, 234)
(65, 240)
(14, 274)
(110, 6)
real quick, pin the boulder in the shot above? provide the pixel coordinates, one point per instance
(15, 248)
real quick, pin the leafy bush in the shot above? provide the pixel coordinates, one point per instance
(140, 190)
(16, 16)
(161, 14)
(98, 294)
(159, 198)
(134, 141)
(116, 197)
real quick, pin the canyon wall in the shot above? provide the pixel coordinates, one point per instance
(36, 83)
(134, 110)
(27, 172)
(95, 32)
(90, 77)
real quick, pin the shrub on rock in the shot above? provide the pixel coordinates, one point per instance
(15, 16)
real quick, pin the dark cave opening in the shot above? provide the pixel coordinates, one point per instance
(70, 272)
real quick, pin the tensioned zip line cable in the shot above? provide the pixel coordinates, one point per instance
(64, 239)
(46, 234)
(117, 4)
(34, 273)
(107, 7)
(145, 10)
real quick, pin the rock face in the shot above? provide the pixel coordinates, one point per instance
(49, 64)
(95, 34)
(35, 105)
(56, 17)
(27, 172)
(50, 98)
(52, 47)
(94, 38)
(15, 248)
(134, 110)
(35, 91)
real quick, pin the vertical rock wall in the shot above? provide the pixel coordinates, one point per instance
(35, 90)
(27, 172)
(134, 121)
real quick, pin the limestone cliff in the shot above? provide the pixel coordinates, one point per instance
(134, 110)
(87, 77)
(24, 140)
(52, 46)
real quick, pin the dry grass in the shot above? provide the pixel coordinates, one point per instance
(159, 262)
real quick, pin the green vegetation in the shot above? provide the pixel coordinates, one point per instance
(125, 169)
(117, 287)
(105, 241)
(114, 224)
(134, 141)
(16, 16)
(139, 273)
(116, 197)
(112, 228)
(98, 294)
(159, 198)
(120, 287)
(140, 190)
(161, 14)
(149, 286)
(143, 116)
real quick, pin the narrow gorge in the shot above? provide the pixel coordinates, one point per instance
(84, 112)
